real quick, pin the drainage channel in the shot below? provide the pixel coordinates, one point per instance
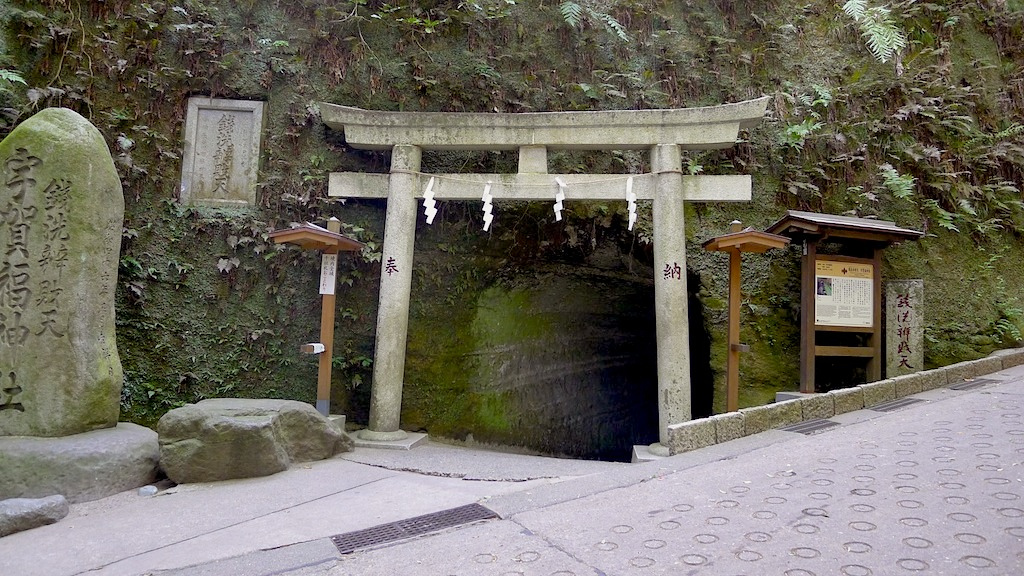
(972, 384)
(410, 527)
(894, 405)
(809, 427)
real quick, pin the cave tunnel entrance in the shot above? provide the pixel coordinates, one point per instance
(572, 353)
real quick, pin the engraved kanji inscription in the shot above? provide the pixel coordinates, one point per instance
(224, 158)
(10, 393)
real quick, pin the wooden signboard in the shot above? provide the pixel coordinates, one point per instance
(841, 292)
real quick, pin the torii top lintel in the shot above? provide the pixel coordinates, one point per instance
(691, 128)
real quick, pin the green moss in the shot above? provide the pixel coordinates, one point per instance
(187, 330)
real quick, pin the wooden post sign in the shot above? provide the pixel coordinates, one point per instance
(841, 291)
(330, 241)
(736, 241)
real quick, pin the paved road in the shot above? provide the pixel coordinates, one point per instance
(936, 487)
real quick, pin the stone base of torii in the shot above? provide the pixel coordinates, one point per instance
(665, 133)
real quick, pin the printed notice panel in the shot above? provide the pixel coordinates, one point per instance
(843, 294)
(328, 273)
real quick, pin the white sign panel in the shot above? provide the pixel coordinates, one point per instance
(843, 294)
(328, 273)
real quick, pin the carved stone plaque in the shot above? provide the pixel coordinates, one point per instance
(222, 150)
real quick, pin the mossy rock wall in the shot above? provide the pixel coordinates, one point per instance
(207, 306)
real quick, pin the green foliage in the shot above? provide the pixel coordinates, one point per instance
(576, 13)
(8, 78)
(899, 185)
(884, 38)
(207, 306)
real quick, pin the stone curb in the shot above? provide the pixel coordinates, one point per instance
(876, 393)
(721, 428)
(1010, 358)
(848, 400)
(962, 371)
(729, 426)
(817, 406)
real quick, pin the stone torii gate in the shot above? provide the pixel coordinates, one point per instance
(663, 132)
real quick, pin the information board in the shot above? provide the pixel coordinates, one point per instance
(843, 294)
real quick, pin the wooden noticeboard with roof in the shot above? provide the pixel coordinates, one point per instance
(841, 287)
(329, 242)
(739, 240)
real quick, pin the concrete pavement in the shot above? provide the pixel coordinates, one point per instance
(934, 487)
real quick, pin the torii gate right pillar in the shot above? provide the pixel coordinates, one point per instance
(670, 297)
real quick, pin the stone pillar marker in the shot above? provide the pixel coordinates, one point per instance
(62, 210)
(904, 330)
(61, 216)
(393, 306)
(670, 297)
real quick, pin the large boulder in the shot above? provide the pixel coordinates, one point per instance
(62, 213)
(224, 438)
(82, 467)
(20, 514)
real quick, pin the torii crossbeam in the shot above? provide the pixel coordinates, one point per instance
(663, 132)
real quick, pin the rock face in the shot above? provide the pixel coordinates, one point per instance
(62, 211)
(557, 359)
(82, 467)
(20, 514)
(224, 438)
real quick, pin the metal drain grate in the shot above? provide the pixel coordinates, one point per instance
(410, 527)
(809, 427)
(972, 384)
(894, 405)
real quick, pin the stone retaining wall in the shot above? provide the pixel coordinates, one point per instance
(724, 427)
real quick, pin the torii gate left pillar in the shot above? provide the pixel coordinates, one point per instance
(663, 132)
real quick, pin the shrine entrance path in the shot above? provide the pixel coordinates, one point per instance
(935, 487)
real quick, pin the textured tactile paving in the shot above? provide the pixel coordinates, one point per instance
(926, 490)
(934, 488)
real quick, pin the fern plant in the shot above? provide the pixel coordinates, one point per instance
(884, 38)
(573, 13)
(8, 78)
(901, 186)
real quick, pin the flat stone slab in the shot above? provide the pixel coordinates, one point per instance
(411, 440)
(642, 453)
(82, 467)
(20, 514)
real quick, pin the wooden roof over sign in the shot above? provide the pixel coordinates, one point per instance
(312, 237)
(816, 226)
(746, 240)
